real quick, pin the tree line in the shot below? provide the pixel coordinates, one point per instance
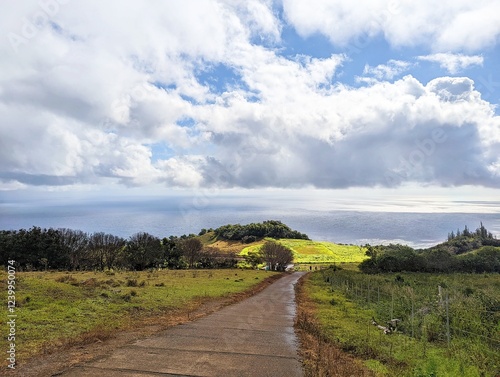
(465, 251)
(255, 231)
(68, 249)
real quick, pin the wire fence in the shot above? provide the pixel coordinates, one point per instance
(450, 318)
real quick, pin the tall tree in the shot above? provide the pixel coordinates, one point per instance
(276, 255)
(191, 250)
(144, 250)
(75, 243)
(172, 253)
(104, 249)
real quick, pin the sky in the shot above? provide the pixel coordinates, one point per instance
(150, 96)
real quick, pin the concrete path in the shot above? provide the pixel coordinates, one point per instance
(252, 338)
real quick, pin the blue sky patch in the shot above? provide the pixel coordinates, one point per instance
(186, 122)
(160, 151)
(220, 78)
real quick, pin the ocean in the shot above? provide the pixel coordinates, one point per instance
(336, 221)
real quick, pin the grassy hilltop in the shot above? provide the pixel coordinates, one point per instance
(304, 251)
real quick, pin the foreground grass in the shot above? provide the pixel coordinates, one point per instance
(57, 309)
(317, 252)
(344, 309)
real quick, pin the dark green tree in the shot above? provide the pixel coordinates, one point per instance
(144, 251)
(75, 245)
(104, 250)
(191, 250)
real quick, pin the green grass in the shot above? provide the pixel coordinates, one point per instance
(55, 307)
(346, 301)
(317, 252)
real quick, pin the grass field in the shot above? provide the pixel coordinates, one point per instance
(316, 252)
(55, 308)
(454, 331)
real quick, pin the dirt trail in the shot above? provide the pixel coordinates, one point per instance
(252, 338)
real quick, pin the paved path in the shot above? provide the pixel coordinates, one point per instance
(252, 338)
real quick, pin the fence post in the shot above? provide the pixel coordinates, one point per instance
(425, 342)
(448, 336)
(412, 315)
(392, 303)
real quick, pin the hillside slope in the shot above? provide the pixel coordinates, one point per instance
(304, 251)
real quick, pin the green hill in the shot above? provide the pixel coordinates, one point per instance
(244, 239)
(464, 251)
(306, 251)
(465, 241)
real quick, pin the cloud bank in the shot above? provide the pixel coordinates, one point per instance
(86, 98)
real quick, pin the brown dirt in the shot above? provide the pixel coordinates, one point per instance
(100, 342)
(321, 358)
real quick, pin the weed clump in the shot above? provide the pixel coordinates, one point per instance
(112, 283)
(127, 297)
(90, 283)
(131, 283)
(67, 279)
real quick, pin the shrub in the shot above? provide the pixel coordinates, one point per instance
(131, 283)
(248, 239)
(127, 297)
(66, 279)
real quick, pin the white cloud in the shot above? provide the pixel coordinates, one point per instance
(449, 25)
(83, 100)
(387, 71)
(259, 16)
(384, 134)
(183, 171)
(453, 63)
(453, 89)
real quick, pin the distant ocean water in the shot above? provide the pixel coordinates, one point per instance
(177, 216)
